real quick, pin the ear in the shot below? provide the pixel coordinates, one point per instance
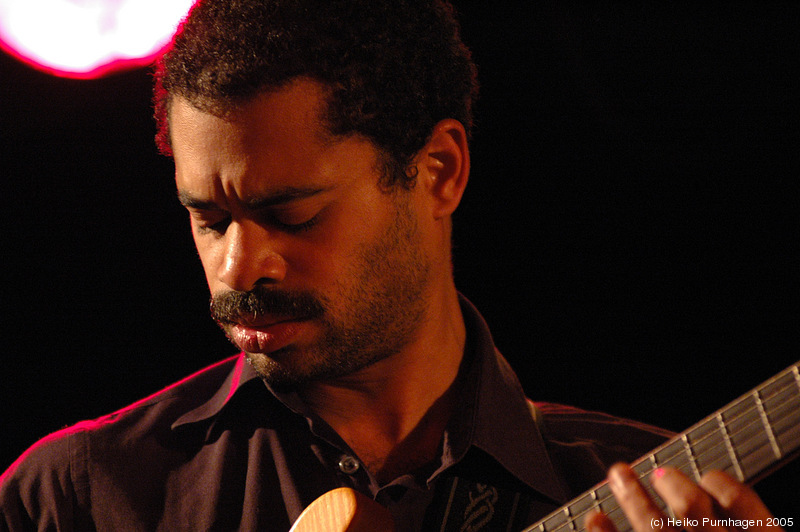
(444, 166)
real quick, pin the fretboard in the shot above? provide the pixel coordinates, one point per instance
(748, 438)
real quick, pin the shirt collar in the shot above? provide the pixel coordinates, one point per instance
(496, 417)
(241, 373)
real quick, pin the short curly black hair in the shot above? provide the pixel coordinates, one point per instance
(394, 68)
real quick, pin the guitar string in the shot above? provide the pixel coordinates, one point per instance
(571, 521)
(681, 453)
(681, 456)
(777, 412)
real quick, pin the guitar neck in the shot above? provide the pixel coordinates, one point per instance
(748, 438)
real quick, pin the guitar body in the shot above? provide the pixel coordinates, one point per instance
(344, 510)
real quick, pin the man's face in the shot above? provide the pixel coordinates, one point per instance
(315, 271)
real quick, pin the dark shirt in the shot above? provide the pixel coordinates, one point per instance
(219, 450)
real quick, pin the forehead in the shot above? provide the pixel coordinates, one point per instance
(276, 139)
(294, 110)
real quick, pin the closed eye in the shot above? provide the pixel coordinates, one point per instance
(211, 222)
(292, 211)
(297, 227)
(294, 217)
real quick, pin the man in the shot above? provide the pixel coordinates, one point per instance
(320, 150)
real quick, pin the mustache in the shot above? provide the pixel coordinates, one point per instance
(235, 306)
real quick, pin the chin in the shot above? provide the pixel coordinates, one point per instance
(275, 372)
(289, 368)
(280, 369)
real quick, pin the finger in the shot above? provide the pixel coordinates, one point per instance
(633, 499)
(737, 501)
(598, 522)
(691, 505)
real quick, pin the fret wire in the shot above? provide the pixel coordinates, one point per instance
(785, 395)
(792, 415)
(749, 395)
(775, 410)
(794, 370)
(783, 408)
(570, 519)
(749, 409)
(748, 432)
(782, 386)
(679, 454)
(617, 515)
(752, 423)
(779, 414)
(656, 465)
(715, 455)
(571, 523)
(729, 447)
(692, 460)
(670, 459)
(598, 501)
(565, 527)
(767, 426)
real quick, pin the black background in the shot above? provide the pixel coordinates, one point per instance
(630, 231)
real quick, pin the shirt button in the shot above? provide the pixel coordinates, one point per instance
(348, 465)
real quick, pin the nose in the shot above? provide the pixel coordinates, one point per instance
(250, 257)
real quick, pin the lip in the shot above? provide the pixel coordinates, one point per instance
(265, 338)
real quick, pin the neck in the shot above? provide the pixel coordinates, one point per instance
(393, 412)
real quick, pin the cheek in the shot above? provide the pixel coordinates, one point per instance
(312, 264)
(325, 261)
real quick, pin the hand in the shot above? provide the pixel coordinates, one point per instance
(715, 504)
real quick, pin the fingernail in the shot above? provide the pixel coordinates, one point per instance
(658, 473)
(619, 476)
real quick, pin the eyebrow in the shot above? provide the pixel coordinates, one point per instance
(279, 197)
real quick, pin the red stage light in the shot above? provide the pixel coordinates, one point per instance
(88, 38)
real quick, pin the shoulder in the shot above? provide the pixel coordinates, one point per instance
(584, 444)
(568, 423)
(624, 438)
(168, 403)
(51, 479)
(40, 481)
(176, 399)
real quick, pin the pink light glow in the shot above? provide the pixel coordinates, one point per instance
(88, 38)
